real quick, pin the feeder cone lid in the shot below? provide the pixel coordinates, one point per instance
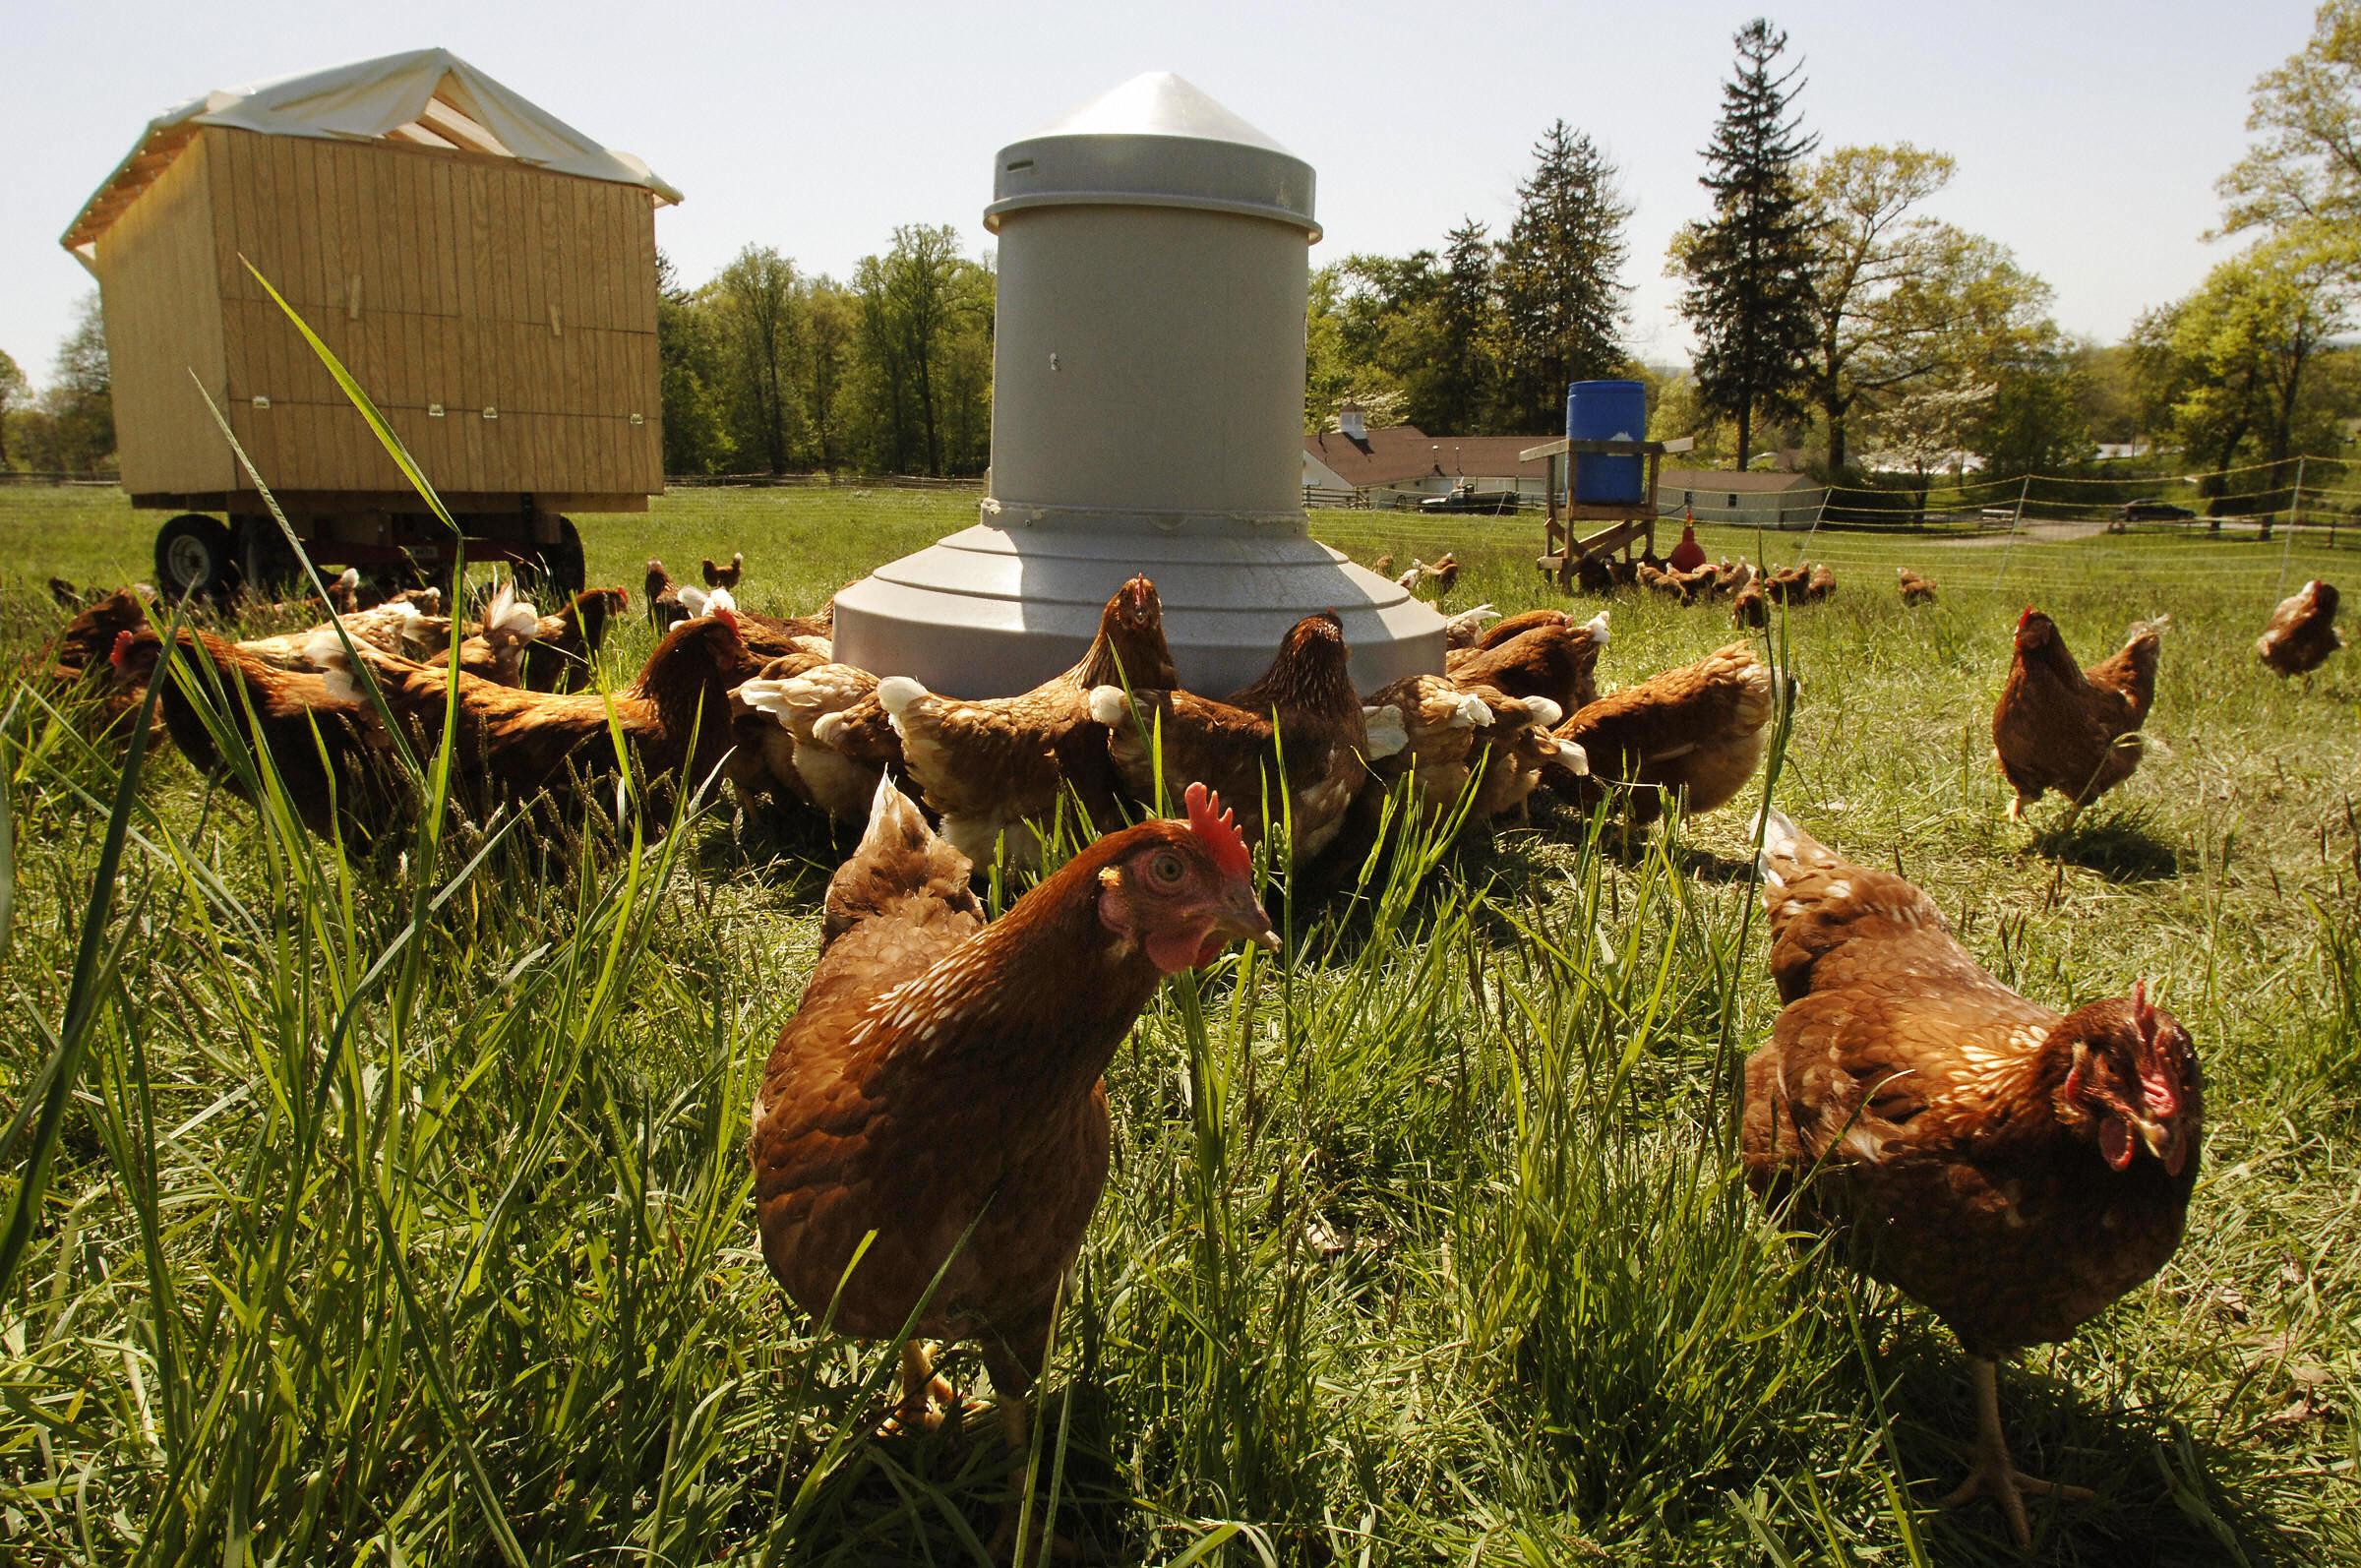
(1156, 141)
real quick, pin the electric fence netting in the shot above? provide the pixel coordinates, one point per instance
(2028, 533)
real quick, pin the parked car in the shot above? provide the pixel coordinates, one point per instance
(1465, 496)
(2154, 510)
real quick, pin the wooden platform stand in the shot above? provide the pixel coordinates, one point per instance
(1627, 523)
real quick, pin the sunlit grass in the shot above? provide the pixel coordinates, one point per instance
(400, 1209)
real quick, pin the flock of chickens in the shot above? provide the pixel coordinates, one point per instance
(2013, 1168)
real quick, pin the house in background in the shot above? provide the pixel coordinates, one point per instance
(1759, 499)
(1401, 464)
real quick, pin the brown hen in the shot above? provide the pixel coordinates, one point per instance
(517, 745)
(995, 766)
(1915, 589)
(1696, 732)
(565, 646)
(1557, 659)
(2303, 630)
(2014, 1169)
(397, 626)
(1301, 717)
(664, 606)
(335, 767)
(842, 739)
(2058, 727)
(1448, 730)
(935, 1104)
(1750, 608)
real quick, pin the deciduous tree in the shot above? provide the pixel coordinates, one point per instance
(2305, 164)
(13, 388)
(690, 366)
(757, 296)
(2227, 369)
(1877, 325)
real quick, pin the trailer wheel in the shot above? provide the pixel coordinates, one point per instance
(557, 570)
(193, 557)
(265, 561)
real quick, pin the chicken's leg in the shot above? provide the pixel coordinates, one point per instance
(1994, 1474)
(1014, 1376)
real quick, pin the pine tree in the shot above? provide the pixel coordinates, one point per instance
(1560, 280)
(1465, 322)
(1749, 268)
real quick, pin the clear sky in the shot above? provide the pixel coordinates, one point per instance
(2089, 136)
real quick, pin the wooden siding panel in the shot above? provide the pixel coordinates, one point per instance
(161, 291)
(481, 284)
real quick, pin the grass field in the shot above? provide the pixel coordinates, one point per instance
(401, 1213)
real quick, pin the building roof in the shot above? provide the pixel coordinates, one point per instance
(1728, 480)
(427, 98)
(1405, 453)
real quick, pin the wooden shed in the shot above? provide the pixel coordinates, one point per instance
(485, 272)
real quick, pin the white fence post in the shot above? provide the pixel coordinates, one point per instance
(2023, 488)
(2295, 510)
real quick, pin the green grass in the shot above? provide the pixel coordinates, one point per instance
(400, 1212)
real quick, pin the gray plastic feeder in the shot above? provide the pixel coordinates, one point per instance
(1147, 416)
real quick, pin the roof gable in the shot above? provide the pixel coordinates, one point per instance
(1403, 454)
(426, 98)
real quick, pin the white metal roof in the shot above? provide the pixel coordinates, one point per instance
(426, 98)
(1155, 141)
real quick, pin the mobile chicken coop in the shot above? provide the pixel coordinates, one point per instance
(485, 272)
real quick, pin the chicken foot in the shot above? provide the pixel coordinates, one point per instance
(1994, 1474)
(926, 1397)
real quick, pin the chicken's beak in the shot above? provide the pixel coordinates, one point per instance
(1241, 919)
(2168, 1141)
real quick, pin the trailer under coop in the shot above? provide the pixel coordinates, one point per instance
(486, 273)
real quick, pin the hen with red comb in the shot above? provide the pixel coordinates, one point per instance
(941, 1074)
(2014, 1169)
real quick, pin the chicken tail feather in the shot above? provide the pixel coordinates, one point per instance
(765, 695)
(1783, 851)
(324, 651)
(895, 693)
(899, 858)
(1108, 705)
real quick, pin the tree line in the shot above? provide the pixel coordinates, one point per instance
(69, 428)
(1841, 324)
(768, 368)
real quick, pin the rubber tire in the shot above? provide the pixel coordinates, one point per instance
(194, 559)
(265, 562)
(557, 571)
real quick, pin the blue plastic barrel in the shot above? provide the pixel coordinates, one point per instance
(1606, 410)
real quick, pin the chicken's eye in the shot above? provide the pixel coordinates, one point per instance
(1165, 869)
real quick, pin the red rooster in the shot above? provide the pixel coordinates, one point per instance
(2014, 1169)
(942, 1079)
